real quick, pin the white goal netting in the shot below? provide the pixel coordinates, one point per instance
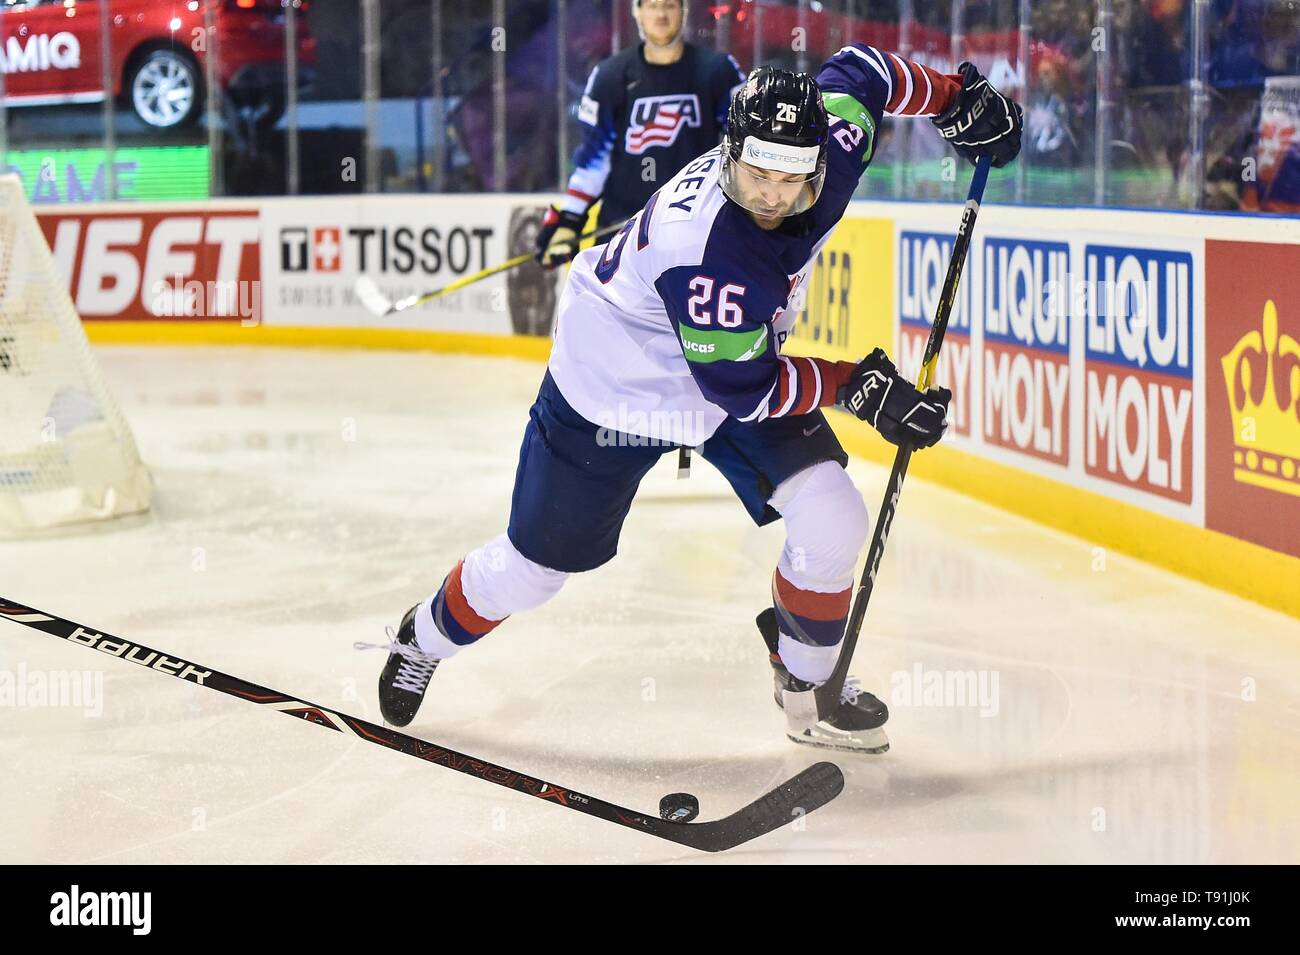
(66, 453)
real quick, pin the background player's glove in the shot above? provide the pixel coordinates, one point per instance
(877, 393)
(557, 241)
(981, 121)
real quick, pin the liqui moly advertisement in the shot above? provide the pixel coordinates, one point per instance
(1139, 369)
(1073, 357)
(922, 265)
(1026, 353)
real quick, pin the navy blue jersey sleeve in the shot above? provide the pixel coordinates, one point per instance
(598, 112)
(727, 347)
(855, 89)
(731, 351)
(886, 84)
(860, 86)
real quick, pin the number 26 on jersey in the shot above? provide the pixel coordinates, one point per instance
(702, 308)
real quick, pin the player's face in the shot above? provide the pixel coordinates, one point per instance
(769, 196)
(661, 20)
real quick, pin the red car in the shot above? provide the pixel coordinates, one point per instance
(51, 54)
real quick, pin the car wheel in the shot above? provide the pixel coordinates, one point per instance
(164, 89)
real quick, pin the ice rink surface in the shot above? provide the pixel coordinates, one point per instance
(1096, 710)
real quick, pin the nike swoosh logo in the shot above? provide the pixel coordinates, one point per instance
(753, 349)
(809, 432)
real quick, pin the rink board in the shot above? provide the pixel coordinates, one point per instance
(1129, 377)
(1132, 378)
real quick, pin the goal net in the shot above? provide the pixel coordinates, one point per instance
(66, 454)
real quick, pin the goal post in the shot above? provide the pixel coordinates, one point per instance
(66, 453)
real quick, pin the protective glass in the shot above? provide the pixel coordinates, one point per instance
(752, 189)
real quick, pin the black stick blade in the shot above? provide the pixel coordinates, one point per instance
(796, 797)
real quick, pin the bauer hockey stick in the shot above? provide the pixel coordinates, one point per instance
(810, 789)
(379, 304)
(827, 696)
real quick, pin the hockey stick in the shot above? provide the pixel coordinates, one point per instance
(378, 304)
(811, 789)
(827, 696)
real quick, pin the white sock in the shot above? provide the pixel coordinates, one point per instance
(809, 663)
(427, 635)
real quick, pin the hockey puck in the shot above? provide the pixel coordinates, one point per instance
(679, 807)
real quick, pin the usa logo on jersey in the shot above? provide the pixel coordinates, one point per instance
(656, 120)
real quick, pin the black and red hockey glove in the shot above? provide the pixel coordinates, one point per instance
(877, 393)
(981, 121)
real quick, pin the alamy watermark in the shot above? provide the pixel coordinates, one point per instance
(946, 688)
(1131, 299)
(634, 428)
(76, 689)
(75, 907)
(215, 299)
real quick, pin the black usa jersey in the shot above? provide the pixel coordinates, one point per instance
(644, 123)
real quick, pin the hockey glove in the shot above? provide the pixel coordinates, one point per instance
(877, 393)
(981, 121)
(557, 242)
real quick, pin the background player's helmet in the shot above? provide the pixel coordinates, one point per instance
(777, 122)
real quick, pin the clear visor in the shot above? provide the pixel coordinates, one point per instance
(767, 193)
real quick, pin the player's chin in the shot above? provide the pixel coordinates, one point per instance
(767, 218)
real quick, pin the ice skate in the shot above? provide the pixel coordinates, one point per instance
(406, 675)
(856, 727)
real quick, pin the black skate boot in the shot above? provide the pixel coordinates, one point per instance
(857, 726)
(406, 675)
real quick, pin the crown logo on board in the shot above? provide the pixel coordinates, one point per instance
(1267, 433)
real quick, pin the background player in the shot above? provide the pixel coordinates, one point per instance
(649, 110)
(681, 317)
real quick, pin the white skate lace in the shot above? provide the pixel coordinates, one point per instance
(851, 691)
(416, 669)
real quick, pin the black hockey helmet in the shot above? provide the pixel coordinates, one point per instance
(778, 124)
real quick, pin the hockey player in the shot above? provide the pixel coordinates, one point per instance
(649, 110)
(671, 335)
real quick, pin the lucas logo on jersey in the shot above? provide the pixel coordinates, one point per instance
(656, 121)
